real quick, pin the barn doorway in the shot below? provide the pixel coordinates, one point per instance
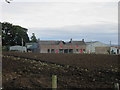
(61, 51)
(66, 51)
(70, 50)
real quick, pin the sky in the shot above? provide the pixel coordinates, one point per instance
(91, 20)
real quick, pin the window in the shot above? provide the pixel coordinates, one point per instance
(60, 50)
(83, 50)
(48, 50)
(70, 50)
(52, 51)
(66, 51)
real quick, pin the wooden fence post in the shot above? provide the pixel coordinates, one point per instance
(54, 82)
(116, 85)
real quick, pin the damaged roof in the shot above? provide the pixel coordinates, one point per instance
(45, 42)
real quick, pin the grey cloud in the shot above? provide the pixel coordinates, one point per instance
(101, 32)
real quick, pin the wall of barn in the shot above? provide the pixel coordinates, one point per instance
(91, 47)
(115, 50)
(56, 48)
(102, 50)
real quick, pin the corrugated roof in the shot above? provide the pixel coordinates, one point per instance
(115, 47)
(58, 42)
(32, 45)
(76, 43)
(91, 42)
(49, 42)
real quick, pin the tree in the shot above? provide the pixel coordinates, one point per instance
(33, 38)
(13, 34)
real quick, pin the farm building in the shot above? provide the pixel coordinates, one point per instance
(97, 47)
(62, 47)
(115, 50)
(32, 47)
(18, 48)
(102, 50)
(52, 46)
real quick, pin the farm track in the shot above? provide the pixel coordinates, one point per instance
(26, 71)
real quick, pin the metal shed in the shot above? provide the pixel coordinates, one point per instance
(92, 46)
(18, 48)
(32, 47)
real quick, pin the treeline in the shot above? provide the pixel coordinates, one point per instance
(13, 35)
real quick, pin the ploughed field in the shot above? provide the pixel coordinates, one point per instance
(34, 70)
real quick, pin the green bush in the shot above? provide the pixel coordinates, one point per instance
(5, 48)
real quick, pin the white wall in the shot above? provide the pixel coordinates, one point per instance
(18, 48)
(115, 50)
(43, 50)
(90, 48)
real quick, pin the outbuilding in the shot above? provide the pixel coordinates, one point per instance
(51, 46)
(115, 50)
(97, 47)
(18, 48)
(32, 47)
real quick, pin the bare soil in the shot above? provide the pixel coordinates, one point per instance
(34, 70)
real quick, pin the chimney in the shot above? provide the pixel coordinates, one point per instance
(83, 40)
(70, 40)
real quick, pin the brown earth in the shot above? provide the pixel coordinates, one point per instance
(33, 70)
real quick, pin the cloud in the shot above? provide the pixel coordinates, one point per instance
(66, 1)
(65, 19)
(95, 28)
(55, 14)
(100, 32)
